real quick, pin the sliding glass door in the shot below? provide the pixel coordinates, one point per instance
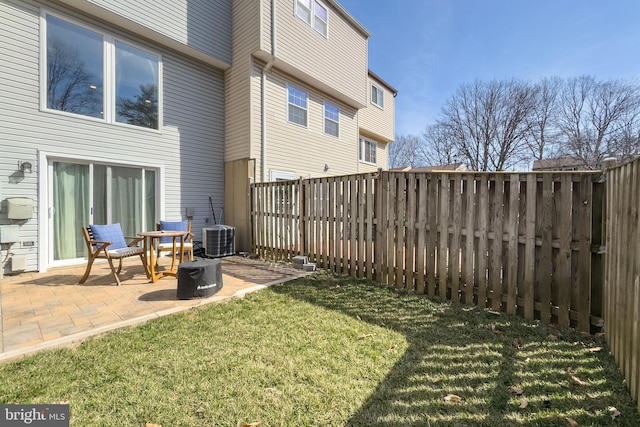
(96, 193)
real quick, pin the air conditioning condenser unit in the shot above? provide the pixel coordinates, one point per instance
(219, 240)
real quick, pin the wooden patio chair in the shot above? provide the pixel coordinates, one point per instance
(108, 242)
(166, 245)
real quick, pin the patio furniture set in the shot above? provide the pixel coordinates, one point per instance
(197, 278)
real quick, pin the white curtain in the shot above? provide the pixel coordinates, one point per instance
(120, 195)
(150, 200)
(70, 202)
(127, 199)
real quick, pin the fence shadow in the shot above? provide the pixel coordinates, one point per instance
(505, 371)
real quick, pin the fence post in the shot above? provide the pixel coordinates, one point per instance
(302, 219)
(598, 247)
(609, 163)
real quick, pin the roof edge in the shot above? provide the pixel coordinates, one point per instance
(344, 12)
(381, 80)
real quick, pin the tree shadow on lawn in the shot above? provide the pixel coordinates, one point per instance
(470, 367)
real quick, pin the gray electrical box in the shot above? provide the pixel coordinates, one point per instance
(19, 208)
(9, 233)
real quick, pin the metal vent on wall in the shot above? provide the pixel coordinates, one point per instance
(219, 240)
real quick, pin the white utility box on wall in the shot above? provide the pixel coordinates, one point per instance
(18, 263)
(9, 233)
(19, 208)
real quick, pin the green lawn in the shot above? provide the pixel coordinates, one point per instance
(326, 351)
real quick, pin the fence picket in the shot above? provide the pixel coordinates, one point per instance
(512, 207)
(400, 236)
(370, 211)
(496, 200)
(432, 236)
(584, 269)
(410, 227)
(456, 227)
(562, 273)
(469, 241)
(483, 241)
(545, 267)
(421, 231)
(529, 261)
(634, 285)
(443, 235)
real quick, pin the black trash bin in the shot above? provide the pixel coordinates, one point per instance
(199, 278)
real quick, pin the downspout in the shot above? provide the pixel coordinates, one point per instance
(263, 95)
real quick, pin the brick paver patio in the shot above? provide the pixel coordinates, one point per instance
(45, 310)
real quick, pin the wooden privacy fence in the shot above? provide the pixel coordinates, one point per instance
(525, 243)
(622, 272)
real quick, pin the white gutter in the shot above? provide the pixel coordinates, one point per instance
(263, 95)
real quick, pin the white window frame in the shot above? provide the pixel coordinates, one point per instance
(109, 74)
(306, 108)
(312, 15)
(379, 102)
(372, 147)
(280, 175)
(337, 122)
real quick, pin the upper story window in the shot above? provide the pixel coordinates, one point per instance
(368, 151)
(331, 119)
(377, 96)
(315, 14)
(297, 111)
(136, 79)
(76, 81)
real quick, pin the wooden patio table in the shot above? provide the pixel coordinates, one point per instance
(151, 240)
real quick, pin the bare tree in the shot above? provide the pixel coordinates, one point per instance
(439, 146)
(405, 152)
(499, 125)
(544, 134)
(489, 123)
(598, 119)
(70, 87)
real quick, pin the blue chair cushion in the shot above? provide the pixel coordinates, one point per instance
(173, 226)
(109, 233)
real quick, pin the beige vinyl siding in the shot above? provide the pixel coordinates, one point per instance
(305, 150)
(239, 104)
(383, 155)
(382, 159)
(201, 24)
(375, 121)
(255, 142)
(338, 61)
(189, 148)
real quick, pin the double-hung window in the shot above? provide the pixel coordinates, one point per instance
(377, 96)
(368, 151)
(297, 106)
(76, 81)
(315, 14)
(331, 119)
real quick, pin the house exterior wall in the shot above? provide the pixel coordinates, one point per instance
(304, 151)
(187, 150)
(376, 122)
(337, 62)
(382, 159)
(239, 108)
(223, 99)
(332, 68)
(202, 25)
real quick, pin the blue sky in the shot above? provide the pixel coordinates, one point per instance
(427, 49)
